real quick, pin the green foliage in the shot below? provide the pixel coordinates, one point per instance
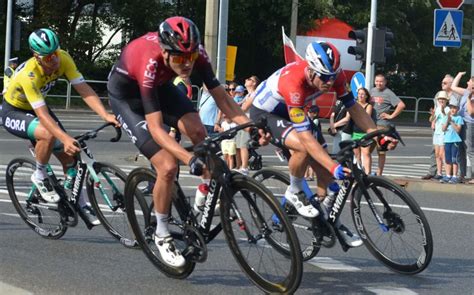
(255, 27)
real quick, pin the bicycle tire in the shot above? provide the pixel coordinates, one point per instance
(44, 218)
(277, 182)
(245, 192)
(110, 209)
(402, 216)
(143, 221)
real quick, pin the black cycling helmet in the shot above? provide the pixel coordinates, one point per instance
(179, 35)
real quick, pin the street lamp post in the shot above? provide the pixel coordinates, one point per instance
(8, 34)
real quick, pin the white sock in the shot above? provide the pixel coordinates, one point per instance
(161, 225)
(40, 172)
(296, 184)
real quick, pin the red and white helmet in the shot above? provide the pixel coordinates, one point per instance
(323, 58)
(179, 35)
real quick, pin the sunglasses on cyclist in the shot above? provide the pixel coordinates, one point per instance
(182, 58)
(48, 58)
(326, 78)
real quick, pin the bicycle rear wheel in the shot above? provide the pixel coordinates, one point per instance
(106, 197)
(44, 218)
(247, 210)
(403, 242)
(139, 208)
(277, 182)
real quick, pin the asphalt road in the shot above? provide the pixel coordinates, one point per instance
(86, 262)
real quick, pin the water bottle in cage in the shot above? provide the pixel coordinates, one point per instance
(70, 174)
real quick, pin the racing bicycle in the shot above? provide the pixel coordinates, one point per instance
(388, 219)
(104, 183)
(246, 210)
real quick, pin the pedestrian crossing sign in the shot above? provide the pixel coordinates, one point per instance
(447, 27)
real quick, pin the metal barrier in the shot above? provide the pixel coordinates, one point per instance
(408, 98)
(198, 91)
(431, 99)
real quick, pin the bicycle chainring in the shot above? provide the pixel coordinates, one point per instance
(196, 249)
(323, 233)
(68, 213)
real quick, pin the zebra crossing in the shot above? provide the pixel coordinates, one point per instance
(412, 170)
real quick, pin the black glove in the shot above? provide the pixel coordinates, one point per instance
(196, 166)
(385, 140)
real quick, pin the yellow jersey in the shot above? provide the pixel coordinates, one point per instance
(29, 85)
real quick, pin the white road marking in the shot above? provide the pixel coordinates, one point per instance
(9, 289)
(391, 291)
(328, 263)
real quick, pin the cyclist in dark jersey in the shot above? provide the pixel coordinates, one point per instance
(146, 102)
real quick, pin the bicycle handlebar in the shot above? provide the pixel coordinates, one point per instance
(93, 133)
(201, 148)
(367, 140)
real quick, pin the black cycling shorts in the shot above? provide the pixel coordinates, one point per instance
(280, 127)
(22, 123)
(130, 113)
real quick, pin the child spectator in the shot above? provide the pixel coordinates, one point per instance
(452, 140)
(313, 114)
(438, 118)
(228, 145)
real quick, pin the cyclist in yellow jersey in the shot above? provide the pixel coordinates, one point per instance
(26, 114)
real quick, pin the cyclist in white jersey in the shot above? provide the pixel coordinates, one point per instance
(282, 98)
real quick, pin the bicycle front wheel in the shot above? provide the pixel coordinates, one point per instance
(141, 215)
(105, 190)
(392, 226)
(44, 218)
(248, 211)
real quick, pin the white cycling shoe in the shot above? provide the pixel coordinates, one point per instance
(350, 238)
(45, 189)
(304, 210)
(168, 251)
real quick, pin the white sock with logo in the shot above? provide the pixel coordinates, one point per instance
(161, 225)
(40, 172)
(296, 184)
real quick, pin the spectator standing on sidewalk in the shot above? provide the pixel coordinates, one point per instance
(338, 126)
(383, 100)
(208, 111)
(228, 145)
(8, 73)
(438, 119)
(242, 138)
(363, 154)
(453, 99)
(466, 111)
(452, 141)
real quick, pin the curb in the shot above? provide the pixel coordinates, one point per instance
(410, 184)
(432, 186)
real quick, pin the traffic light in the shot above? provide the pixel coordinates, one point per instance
(389, 51)
(382, 45)
(360, 50)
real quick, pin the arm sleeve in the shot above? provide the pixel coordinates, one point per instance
(32, 93)
(71, 71)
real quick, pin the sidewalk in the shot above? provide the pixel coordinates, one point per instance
(413, 184)
(405, 129)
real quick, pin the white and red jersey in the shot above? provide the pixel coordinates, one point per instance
(286, 92)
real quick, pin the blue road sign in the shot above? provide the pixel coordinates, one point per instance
(357, 81)
(447, 27)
